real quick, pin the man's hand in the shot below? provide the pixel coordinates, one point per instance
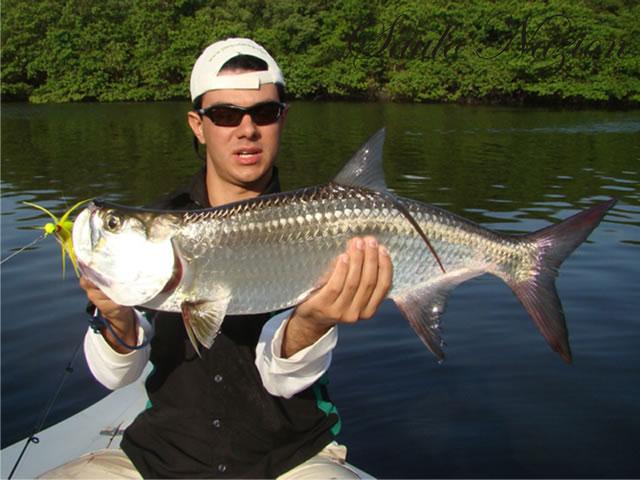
(122, 319)
(355, 289)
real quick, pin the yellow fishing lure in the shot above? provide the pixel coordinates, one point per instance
(61, 229)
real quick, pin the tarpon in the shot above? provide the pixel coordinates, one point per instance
(271, 252)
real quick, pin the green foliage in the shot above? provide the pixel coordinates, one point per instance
(407, 50)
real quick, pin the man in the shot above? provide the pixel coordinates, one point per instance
(248, 406)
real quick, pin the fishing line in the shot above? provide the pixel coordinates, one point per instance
(38, 427)
(30, 244)
(97, 322)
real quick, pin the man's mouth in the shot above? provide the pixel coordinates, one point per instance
(248, 156)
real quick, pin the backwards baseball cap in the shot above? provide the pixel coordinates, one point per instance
(204, 76)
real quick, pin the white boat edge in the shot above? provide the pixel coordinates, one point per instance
(97, 427)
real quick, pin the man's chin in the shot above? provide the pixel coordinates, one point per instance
(253, 177)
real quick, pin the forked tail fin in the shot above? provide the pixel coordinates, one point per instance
(538, 292)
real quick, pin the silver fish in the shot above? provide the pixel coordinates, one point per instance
(270, 252)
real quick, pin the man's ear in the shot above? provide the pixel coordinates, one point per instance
(195, 122)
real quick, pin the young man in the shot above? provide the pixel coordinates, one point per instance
(248, 406)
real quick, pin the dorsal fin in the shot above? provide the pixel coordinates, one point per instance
(364, 170)
(365, 167)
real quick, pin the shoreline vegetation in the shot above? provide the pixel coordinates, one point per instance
(583, 53)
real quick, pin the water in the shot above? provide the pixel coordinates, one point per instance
(502, 405)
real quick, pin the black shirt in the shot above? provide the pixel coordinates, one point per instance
(210, 416)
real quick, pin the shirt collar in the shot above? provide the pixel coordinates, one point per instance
(199, 194)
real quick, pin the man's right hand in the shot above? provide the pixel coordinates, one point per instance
(122, 319)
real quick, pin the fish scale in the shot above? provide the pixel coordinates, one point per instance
(269, 267)
(270, 252)
(292, 260)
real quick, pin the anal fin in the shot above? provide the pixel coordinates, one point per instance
(423, 306)
(203, 318)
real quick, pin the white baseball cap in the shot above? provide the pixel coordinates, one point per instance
(204, 76)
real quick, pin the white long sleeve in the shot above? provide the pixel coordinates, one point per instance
(112, 369)
(284, 377)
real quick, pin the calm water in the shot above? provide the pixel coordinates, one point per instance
(502, 405)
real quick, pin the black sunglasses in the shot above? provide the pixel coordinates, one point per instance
(264, 113)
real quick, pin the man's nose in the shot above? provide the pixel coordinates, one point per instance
(247, 127)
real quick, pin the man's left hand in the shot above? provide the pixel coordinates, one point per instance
(359, 282)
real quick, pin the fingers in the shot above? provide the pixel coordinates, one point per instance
(344, 280)
(383, 283)
(362, 278)
(333, 288)
(121, 319)
(86, 284)
(356, 250)
(94, 294)
(367, 282)
(113, 311)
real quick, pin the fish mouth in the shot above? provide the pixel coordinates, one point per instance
(92, 275)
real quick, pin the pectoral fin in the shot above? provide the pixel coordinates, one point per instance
(203, 319)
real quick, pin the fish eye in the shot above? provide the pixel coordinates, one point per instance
(113, 222)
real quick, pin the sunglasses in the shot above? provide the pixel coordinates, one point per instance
(262, 114)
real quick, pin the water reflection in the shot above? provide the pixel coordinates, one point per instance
(502, 404)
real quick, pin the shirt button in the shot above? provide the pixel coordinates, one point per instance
(222, 468)
(216, 423)
(217, 378)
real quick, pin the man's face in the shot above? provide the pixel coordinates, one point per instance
(242, 155)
